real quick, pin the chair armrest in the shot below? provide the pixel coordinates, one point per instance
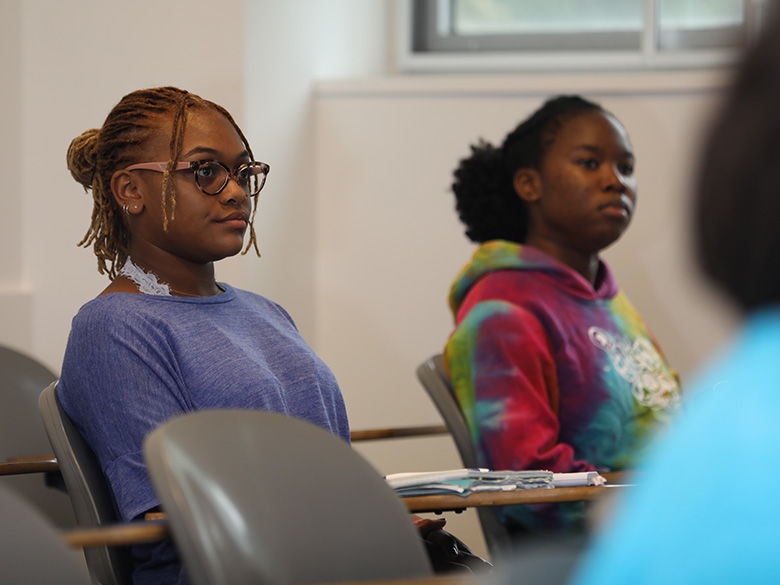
(398, 432)
(31, 464)
(121, 534)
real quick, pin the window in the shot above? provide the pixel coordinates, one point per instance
(496, 34)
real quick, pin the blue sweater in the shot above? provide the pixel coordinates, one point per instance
(134, 360)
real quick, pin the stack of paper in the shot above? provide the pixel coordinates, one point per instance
(466, 481)
(578, 478)
(469, 481)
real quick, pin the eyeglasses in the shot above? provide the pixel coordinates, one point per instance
(212, 176)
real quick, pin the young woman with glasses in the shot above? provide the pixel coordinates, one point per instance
(174, 185)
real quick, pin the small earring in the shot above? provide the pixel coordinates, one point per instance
(126, 208)
(135, 206)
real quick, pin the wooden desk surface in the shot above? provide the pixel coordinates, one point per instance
(447, 503)
(452, 579)
(155, 527)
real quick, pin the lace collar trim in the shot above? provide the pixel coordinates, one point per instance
(147, 282)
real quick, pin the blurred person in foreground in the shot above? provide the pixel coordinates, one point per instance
(704, 511)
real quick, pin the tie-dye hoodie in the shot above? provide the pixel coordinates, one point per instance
(550, 372)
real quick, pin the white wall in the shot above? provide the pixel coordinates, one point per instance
(290, 45)
(388, 242)
(15, 297)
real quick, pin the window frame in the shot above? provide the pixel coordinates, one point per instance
(606, 51)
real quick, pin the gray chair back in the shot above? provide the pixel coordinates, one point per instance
(22, 433)
(32, 550)
(88, 489)
(433, 376)
(263, 498)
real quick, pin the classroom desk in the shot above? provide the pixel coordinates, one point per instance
(155, 527)
(456, 503)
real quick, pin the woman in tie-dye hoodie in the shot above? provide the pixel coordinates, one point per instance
(552, 366)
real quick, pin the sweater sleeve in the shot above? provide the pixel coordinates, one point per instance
(504, 376)
(119, 381)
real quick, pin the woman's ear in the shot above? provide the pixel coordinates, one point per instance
(127, 192)
(527, 184)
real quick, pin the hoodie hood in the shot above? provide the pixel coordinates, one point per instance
(504, 255)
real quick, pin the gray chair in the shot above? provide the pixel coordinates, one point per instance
(32, 550)
(22, 433)
(88, 489)
(434, 378)
(262, 498)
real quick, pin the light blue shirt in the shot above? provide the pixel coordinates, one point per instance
(706, 509)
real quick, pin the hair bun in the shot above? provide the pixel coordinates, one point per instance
(82, 157)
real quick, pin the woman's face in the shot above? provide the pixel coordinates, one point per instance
(586, 185)
(201, 228)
